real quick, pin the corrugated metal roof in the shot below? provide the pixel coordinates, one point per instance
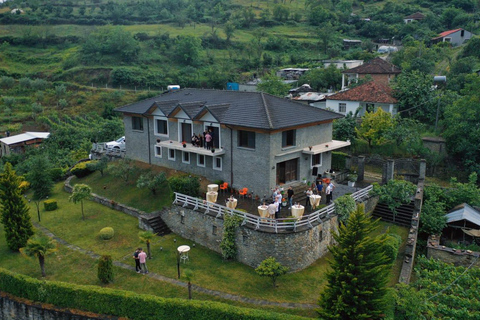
(464, 212)
(24, 137)
(247, 109)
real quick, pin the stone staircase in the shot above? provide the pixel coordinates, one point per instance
(298, 192)
(158, 225)
(403, 217)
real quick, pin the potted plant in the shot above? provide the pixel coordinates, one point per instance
(213, 150)
(352, 178)
(184, 144)
(158, 140)
(304, 180)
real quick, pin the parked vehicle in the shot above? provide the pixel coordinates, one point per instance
(117, 144)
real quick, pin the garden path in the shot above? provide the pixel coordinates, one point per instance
(223, 295)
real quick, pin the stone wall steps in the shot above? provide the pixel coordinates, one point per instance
(403, 216)
(158, 225)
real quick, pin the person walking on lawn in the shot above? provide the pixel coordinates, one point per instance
(142, 256)
(137, 260)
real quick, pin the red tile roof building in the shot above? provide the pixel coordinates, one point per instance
(378, 69)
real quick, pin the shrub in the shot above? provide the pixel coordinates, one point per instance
(50, 204)
(272, 269)
(7, 82)
(391, 243)
(105, 269)
(188, 185)
(106, 233)
(81, 169)
(344, 205)
(56, 174)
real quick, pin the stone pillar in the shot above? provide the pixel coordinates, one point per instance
(361, 168)
(422, 170)
(390, 170)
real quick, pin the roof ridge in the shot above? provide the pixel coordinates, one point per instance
(270, 125)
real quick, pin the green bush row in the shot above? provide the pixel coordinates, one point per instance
(50, 205)
(82, 169)
(338, 160)
(124, 303)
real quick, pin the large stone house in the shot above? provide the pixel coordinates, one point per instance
(378, 69)
(260, 140)
(367, 97)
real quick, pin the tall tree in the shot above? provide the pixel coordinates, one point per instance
(40, 180)
(80, 192)
(39, 247)
(14, 210)
(359, 272)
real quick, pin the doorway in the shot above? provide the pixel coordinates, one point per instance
(186, 132)
(287, 171)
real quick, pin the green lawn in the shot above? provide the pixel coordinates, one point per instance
(210, 270)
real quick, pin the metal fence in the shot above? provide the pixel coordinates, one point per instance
(255, 221)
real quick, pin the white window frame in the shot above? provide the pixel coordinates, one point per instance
(156, 129)
(340, 105)
(214, 165)
(183, 156)
(158, 154)
(198, 160)
(321, 160)
(169, 153)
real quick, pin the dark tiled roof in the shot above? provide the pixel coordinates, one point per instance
(375, 66)
(246, 109)
(367, 92)
(416, 16)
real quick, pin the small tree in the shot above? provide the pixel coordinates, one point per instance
(374, 127)
(344, 205)
(272, 269)
(123, 169)
(147, 237)
(14, 210)
(394, 193)
(40, 179)
(189, 276)
(151, 181)
(105, 269)
(39, 247)
(228, 245)
(80, 192)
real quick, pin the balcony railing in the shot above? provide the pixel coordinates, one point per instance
(267, 224)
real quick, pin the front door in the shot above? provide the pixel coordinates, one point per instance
(186, 132)
(287, 171)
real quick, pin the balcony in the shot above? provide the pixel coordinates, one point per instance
(189, 148)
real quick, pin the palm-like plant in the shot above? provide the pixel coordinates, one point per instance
(80, 192)
(146, 237)
(39, 246)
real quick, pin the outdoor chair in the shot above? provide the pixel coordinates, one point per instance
(224, 187)
(243, 192)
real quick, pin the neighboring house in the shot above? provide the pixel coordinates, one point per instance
(291, 73)
(295, 92)
(314, 99)
(260, 140)
(367, 97)
(349, 44)
(378, 69)
(455, 37)
(461, 221)
(18, 143)
(417, 16)
(342, 64)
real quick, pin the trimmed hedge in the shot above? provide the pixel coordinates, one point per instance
(106, 233)
(125, 303)
(50, 204)
(81, 169)
(338, 160)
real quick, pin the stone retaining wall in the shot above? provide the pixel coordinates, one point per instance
(12, 308)
(296, 250)
(450, 255)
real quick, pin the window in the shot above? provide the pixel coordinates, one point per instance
(246, 139)
(214, 230)
(288, 138)
(161, 127)
(462, 33)
(200, 160)
(171, 154)
(158, 151)
(137, 123)
(370, 107)
(316, 160)
(217, 163)
(342, 107)
(185, 157)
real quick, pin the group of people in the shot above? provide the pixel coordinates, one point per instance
(204, 140)
(318, 188)
(140, 261)
(277, 198)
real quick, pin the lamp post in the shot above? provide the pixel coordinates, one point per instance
(438, 80)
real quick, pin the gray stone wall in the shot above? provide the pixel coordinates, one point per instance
(136, 142)
(16, 309)
(450, 255)
(296, 250)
